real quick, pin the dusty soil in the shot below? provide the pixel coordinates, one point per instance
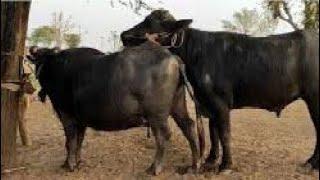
(263, 147)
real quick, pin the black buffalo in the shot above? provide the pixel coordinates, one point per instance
(136, 87)
(230, 70)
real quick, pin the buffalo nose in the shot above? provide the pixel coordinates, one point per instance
(123, 35)
(124, 40)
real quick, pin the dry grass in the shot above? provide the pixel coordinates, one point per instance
(263, 147)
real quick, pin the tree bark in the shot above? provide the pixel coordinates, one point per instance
(14, 22)
(24, 103)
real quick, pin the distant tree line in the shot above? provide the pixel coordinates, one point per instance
(264, 23)
(248, 21)
(58, 33)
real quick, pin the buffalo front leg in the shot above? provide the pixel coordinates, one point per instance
(313, 106)
(211, 163)
(162, 134)
(219, 127)
(223, 122)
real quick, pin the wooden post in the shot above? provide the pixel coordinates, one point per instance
(14, 22)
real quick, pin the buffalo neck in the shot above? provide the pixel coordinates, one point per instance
(191, 46)
(194, 53)
(182, 50)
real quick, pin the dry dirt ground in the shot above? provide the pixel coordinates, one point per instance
(263, 147)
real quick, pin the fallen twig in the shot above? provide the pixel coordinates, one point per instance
(6, 171)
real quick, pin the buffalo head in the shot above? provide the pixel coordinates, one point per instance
(41, 58)
(160, 25)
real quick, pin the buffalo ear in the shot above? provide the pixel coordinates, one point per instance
(30, 57)
(33, 59)
(56, 50)
(176, 25)
(33, 50)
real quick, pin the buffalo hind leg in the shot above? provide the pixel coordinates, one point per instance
(161, 132)
(80, 136)
(313, 106)
(201, 132)
(187, 125)
(71, 134)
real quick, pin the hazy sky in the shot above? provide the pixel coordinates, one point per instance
(97, 18)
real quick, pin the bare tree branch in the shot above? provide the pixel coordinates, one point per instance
(288, 14)
(61, 26)
(280, 6)
(136, 5)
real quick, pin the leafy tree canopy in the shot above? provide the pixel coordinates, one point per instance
(251, 22)
(72, 40)
(42, 35)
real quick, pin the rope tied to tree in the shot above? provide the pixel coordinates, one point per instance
(23, 84)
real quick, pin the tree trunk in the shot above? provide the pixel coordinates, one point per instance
(311, 14)
(14, 22)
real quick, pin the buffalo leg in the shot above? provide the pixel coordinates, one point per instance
(162, 134)
(80, 137)
(225, 137)
(71, 133)
(212, 159)
(187, 125)
(221, 124)
(201, 132)
(313, 106)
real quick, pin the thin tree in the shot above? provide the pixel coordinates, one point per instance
(136, 5)
(281, 9)
(14, 23)
(114, 39)
(61, 26)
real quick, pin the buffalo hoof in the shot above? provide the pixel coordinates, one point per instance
(69, 166)
(154, 170)
(314, 162)
(210, 167)
(27, 143)
(188, 170)
(225, 167)
(79, 163)
(226, 172)
(193, 170)
(311, 165)
(64, 165)
(305, 168)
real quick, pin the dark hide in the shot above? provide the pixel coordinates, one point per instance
(230, 71)
(131, 88)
